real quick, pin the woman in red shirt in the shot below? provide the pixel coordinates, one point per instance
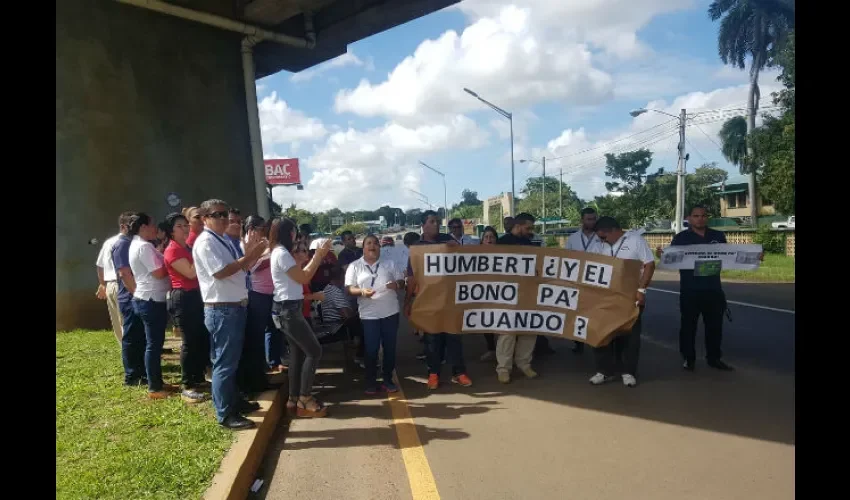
(186, 308)
(196, 225)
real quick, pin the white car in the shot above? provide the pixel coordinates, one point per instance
(789, 224)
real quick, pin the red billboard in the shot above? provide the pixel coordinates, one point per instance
(282, 171)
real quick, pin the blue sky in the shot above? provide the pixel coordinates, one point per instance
(568, 71)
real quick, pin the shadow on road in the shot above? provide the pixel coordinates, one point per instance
(354, 437)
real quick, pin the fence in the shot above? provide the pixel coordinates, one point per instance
(662, 239)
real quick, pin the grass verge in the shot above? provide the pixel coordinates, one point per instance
(112, 442)
(776, 268)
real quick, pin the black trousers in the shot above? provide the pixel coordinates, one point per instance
(711, 304)
(187, 311)
(491, 341)
(622, 354)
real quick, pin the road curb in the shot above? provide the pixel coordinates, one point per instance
(239, 466)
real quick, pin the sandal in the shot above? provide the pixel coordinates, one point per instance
(317, 409)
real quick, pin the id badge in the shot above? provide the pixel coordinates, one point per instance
(707, 267)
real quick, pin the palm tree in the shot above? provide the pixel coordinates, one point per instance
(733, 138)
(755, 29)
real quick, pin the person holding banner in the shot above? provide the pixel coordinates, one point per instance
(584, 240)
(456, 232)
(374, 281)
(437, 343)
(623, 351)
(700, 295)
(518, 349)
(489, 237)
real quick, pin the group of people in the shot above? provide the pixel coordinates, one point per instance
(240, 292)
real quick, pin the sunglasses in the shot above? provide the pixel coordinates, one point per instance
(218, 215)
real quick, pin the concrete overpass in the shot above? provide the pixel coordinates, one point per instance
(157, 97)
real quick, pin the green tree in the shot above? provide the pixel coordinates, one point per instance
(355, 228)
(755, 29)
(627, 169)
(733, 140)
(558, 195)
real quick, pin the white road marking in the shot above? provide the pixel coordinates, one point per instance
(745, 304)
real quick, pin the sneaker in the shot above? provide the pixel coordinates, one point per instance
(433, 381)
(390, 387)
(170, 387)
(371, 390)
(720, 365)
(422, 355)
(688, 365)
(159, 394)
(529, 373)
(192, 397)
(504, 377)
(489, 355)
(462, 379)
(600, 378)
(629, 380)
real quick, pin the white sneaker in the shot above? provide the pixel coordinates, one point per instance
(629, 380)
(529, 373)
(600, 378)
(504, 377)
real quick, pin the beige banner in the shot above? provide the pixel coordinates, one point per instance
(523, 290)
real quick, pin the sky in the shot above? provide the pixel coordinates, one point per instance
(569, 72)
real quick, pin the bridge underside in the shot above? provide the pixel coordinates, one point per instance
(148, 104)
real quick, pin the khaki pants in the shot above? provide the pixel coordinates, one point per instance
(114, 312)
(514, 348)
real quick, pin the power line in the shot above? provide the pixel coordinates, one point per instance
(611, 142)
(708, 136)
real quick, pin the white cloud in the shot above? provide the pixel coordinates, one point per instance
(281, 124)
(347, 59)
(582, 158)
(358, 169)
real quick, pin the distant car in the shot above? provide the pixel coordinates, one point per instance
(788, 224)
(399, 237)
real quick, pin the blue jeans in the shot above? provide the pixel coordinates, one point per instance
(251, 375)
(439, 344)
(226, 324)
(154, 317)
(132, 344)
(377, 333)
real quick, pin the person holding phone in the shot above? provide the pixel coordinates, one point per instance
(375, 282)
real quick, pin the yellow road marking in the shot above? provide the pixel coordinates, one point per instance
(419, 474)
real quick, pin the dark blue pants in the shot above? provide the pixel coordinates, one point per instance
(154, 316)
(438, 343)
(251, 376)
(132, 344)
(226, 324)
(379, 333)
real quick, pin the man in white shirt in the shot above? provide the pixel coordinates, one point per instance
(456, 232)
(584, 240)
(623, 351)
(221, 275)
(107, 278)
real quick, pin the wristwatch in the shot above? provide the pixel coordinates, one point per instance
(642, 290)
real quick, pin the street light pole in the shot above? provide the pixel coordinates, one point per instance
(680, 169)
(561, 195)
(445, 192)
(544, 195)
(510, 118)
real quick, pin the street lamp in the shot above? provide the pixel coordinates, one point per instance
(445, 193)
(422, 198)
(680, 171)
(510, 118)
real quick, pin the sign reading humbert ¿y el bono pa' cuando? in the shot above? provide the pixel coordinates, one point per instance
(523, 290)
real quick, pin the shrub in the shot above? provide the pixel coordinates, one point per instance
(771, 241)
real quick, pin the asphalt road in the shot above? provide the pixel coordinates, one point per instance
(701, 435)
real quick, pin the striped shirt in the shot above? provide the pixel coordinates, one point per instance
(334, 302)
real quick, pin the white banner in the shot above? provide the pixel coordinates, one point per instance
(708, 260)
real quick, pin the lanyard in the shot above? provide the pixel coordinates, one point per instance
(613, 253)
(374, 272)
(587, 243)
(226, 245)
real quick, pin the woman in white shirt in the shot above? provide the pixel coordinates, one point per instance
(152, 286)
(375, 281)
(304, 349)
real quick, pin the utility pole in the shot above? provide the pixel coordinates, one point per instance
(680, 174)
(544, 195)
(561, 196)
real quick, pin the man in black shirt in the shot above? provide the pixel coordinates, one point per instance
(350, 253)
(437, 345)
(700, 295)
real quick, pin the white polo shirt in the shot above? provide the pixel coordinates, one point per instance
(631, 245)
(285, 288)
(580, 242)
(376, 276)
(144, 260)
(104, 259)
(212, 253)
